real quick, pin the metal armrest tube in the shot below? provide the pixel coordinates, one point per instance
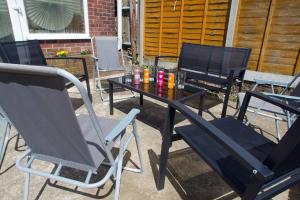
(263, 82)
(122, 125)
(281, 96)
(276, 102)
(259, 169)
(95, 58)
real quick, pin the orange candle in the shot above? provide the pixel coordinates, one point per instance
(170, 94)
(146, 76)
(171, 81)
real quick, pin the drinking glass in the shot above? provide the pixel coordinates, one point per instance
(181, 79)
(128, 75)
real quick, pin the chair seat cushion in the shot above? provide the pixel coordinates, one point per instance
(220, 159)
(90, 135)
(258, 103)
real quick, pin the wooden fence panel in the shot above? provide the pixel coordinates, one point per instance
(168, 23)
(272, 29)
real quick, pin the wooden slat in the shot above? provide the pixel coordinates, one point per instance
(277, 68)
(266, 35)
(160, 26)
(168, 23)
(180, 27)
(204, 21)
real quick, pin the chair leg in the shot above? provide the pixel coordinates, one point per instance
(225, 104)
(94, 78)
(137, 142)
(100, 86)
(119, 169)
(277, 129)
(4, 142)
(288, 116)
(26, 186)
(240, 85)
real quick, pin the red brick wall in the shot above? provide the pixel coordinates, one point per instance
(50, 47)
(101, 22)
(102, 17)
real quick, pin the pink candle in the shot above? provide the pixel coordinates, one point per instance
(160, 77)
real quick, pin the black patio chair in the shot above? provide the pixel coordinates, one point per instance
(30, 53)
(254, 166)
(212, 67)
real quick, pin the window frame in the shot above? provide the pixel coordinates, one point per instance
(58, 36)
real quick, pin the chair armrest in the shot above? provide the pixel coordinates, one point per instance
(64, 58)
(95, 58)
(274, 101)
(239, 152)
(266, 82)
(122, 125)
(281, 96)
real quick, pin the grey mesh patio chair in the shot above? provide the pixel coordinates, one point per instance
(5, 127)
(259, 107)
(30, 53)
(47, 122)
(106, 59)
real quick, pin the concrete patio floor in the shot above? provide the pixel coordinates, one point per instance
(189, 177)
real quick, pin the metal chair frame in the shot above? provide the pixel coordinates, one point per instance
(25, 161)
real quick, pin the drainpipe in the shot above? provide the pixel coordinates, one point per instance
(119, 19)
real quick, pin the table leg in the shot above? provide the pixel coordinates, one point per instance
(201, 105)
(141, 99)
(166, 143)
(111, 98)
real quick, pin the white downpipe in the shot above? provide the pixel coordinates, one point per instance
(119, 16)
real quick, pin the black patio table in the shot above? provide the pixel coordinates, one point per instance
(165, 95)
(153, 90)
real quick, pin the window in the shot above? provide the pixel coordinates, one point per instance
(52, 16)
(64, 19)
(6, 32)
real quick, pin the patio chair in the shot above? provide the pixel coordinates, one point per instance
(106, 59)
(212, 67)
(254, 166)
(5, 127)
(53, 133)
(30, 53)
(258, 107)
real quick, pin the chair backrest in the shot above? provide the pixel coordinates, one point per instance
(213, 59)
(107, 52)
(23, 52)
(36, 102)
(284, 157)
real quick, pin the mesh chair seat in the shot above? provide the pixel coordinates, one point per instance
(222, 159)
(94, 145)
